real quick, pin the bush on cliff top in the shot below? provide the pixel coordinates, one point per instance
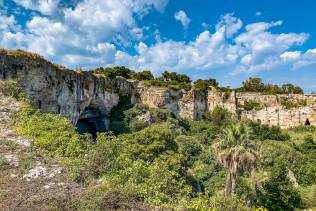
(23, 53)
(256, 85)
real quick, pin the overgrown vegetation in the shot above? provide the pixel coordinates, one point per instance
(204, 85)
(289, 104)
(252, 105)
(161, 160)
(23, 53)
(256, 85)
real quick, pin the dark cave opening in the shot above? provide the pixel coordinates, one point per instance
(307, 123)
(93, 120)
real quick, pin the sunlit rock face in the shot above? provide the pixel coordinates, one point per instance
(188, 104)
(87, 100)
(62, 91)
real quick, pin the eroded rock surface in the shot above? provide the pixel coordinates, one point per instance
(79, 95)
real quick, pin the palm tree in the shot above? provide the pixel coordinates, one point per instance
(237, 151)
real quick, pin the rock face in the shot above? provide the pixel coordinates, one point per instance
(87, 99)
(62, 91)
(188, 104)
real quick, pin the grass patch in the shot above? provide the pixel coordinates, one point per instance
(3, 162)
(8, 145)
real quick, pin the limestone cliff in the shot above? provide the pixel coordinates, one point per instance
(188, 104)
(83, 95)
(59, 90)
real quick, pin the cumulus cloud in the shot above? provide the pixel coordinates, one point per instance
(95, 33)
(183, 18)
(261, 49)
(46, 7)
(205, 52)
(84, 34)
(250, 51)
(230, 24)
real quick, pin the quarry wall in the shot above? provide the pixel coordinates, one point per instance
(80, 94)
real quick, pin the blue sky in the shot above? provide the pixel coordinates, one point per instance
(229, 40)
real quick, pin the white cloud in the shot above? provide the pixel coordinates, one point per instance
(7, 23)
(303, 59)
(254, 50)
(46, 7)
(290, 55)
(183, 18)
(258, 13)
(144, 6)
(264, 49)
(95, 33)
(230, 23)
(205, 52)
(81, 35)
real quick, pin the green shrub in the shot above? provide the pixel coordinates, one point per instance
(176, 77)
(308, 197)
(278, 193)
(289, 103)
(252, 105)
(304, 128)
(204, 85)
(112, 72)
(291, 157)
(217, 202)
(189, 147)
(256, 85)
(219, 116)
(265, 132)
(169, 84)
(3, 162)
(12, 89)
(309, 146)
(143, 75)
(51, 132)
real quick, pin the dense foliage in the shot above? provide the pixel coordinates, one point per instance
(161, 160)
(204, 85)
(256, 85)
(288, 104)
(252, 105)
(278, 193)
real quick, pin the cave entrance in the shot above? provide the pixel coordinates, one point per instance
(92, 120)
(307, 122)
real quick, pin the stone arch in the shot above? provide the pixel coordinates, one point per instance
(93, 118)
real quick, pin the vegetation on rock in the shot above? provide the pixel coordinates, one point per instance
(152, 158)
(252, 105)
(256, 85)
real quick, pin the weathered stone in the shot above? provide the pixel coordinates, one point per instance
(82, 95)
(62, 91)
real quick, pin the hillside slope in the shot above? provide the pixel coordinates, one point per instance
(29, 180)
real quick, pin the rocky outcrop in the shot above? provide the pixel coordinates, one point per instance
(188, 104)
(274, 113)
(80, 95)
(62, 91)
